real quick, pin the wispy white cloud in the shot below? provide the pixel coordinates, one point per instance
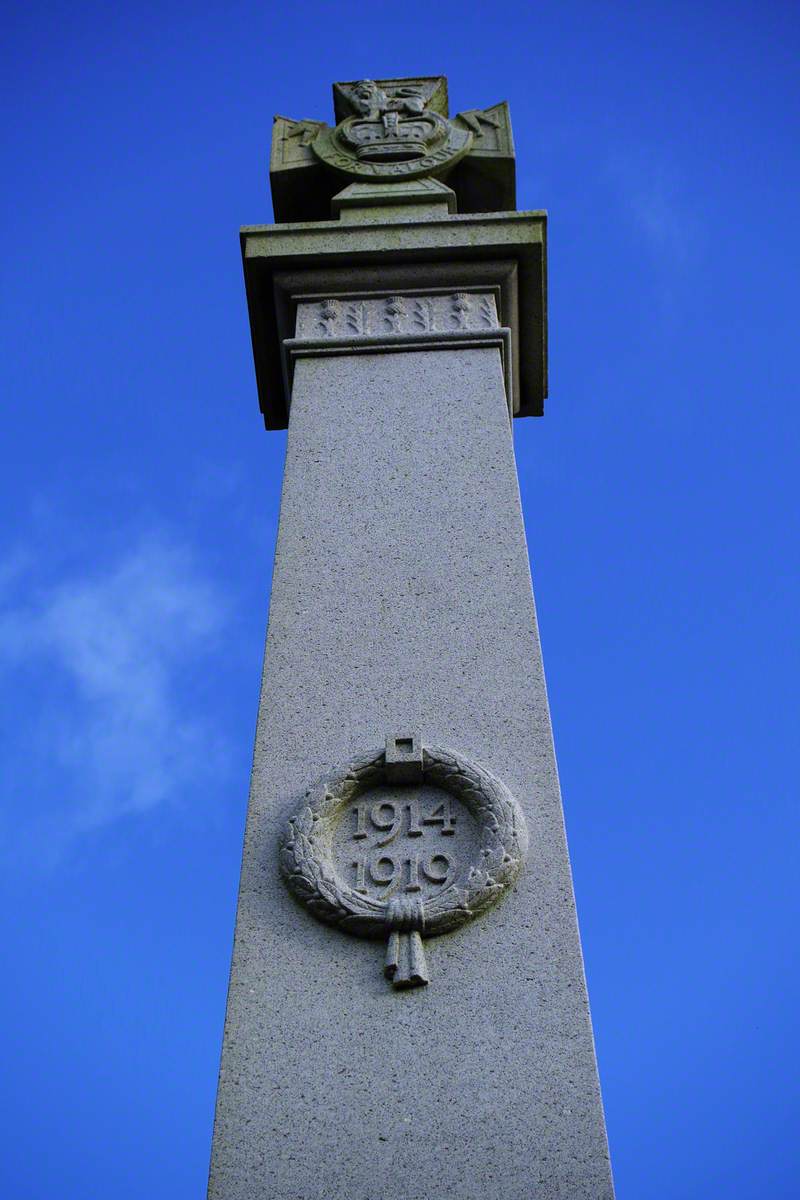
(664, 214)
(109, 657)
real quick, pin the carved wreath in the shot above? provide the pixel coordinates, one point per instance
(307, 865)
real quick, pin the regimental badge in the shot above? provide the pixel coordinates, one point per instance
(407, 843)
(391, 134)
(392, 131)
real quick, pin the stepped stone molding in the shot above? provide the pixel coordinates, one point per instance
(433, 320)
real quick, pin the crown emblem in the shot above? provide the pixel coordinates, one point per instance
(393, 138)
(392, 129)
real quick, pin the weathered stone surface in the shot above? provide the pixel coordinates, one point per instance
(370, 202)
(402, 600)
(389, 130)
(282, 263)
(404, 765)
(373, 316)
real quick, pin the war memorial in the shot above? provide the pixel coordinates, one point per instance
(407, 1016)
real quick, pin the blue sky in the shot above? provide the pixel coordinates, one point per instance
(140, 496)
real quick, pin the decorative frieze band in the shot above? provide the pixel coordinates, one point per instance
(332, 317)
(398, 323)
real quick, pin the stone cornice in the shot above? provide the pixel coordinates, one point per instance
(499, 253)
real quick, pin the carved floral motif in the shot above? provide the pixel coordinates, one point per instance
(333, 318)
(461, 307)
(356, 318)
(328, 312)
(487, 313)
(423, 315)
(395, 312)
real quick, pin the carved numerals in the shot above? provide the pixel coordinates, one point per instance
(388, 818)
(390, 874)
(390, 863)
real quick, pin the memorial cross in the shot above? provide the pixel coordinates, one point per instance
(404, 784)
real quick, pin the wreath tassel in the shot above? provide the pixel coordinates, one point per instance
(405, 955)
(405, 960)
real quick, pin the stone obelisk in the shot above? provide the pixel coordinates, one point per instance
(407, 1016)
